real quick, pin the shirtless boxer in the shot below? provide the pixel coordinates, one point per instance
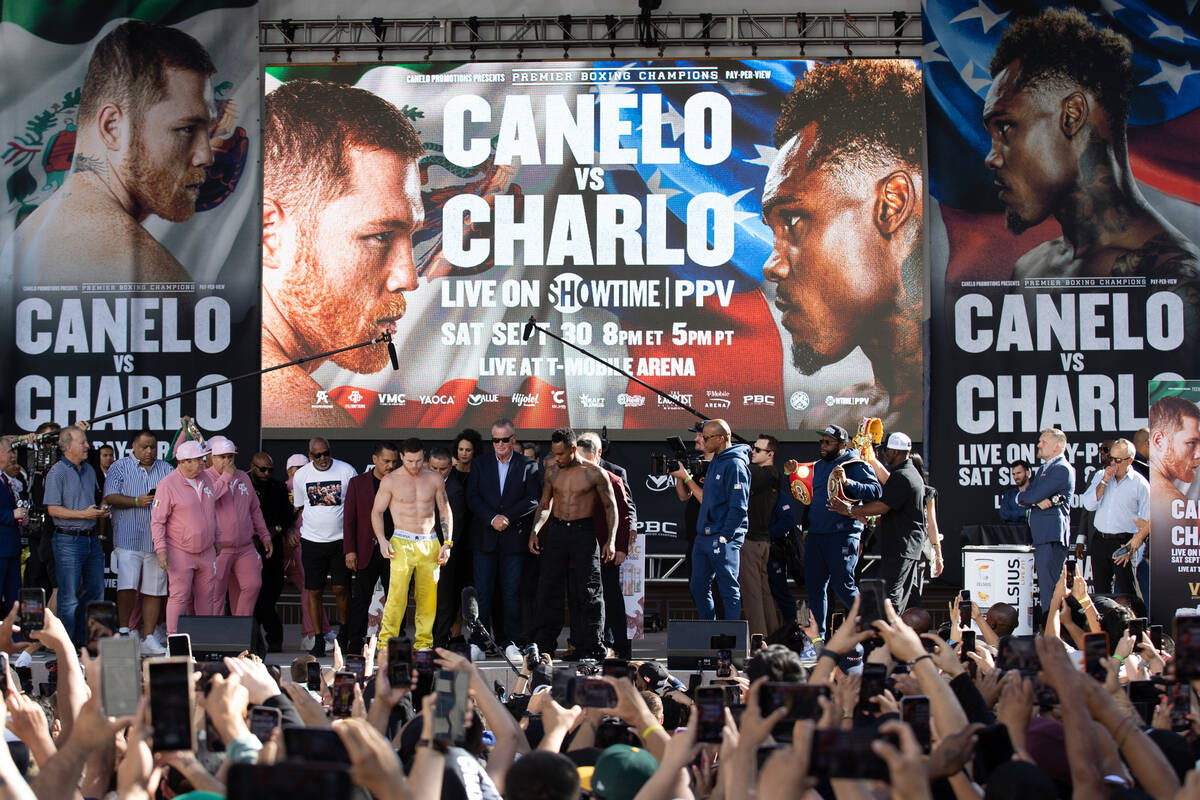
(410, 493)
(571, 550)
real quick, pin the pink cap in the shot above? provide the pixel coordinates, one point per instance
(190, 449)
(297, 460)
(220, 446)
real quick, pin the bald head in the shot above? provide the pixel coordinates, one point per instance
(1003, 619)
(918, 619)
(716, 435)
(1141, 442)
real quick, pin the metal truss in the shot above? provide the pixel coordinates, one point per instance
(544, 36)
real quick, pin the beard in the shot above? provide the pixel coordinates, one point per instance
(158, 189)
(327, 315)
(831, 455)
(1015, 224)
(805, 359)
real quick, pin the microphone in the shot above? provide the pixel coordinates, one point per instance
(470, 606)
(529, 326)
(392, 355)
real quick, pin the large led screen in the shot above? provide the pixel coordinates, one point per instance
(619, 204)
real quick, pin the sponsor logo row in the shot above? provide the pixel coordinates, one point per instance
(713, 399)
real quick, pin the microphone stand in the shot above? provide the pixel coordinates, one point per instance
(480, 630)
(532, 326)
(382, 338)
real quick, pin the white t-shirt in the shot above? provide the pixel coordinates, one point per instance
(321, 495)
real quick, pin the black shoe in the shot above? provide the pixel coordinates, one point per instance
(318, 648)
(274, 647)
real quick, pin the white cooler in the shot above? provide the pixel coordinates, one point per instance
(1001, 574)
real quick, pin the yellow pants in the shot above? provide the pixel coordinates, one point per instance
(409, 558)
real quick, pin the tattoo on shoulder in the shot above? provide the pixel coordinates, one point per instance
(1163, 256)
(85, 163)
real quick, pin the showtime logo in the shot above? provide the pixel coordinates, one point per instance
(525, 400)
(478, 399)
(437, 399)
(631, 400)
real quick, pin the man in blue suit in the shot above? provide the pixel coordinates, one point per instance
(502, 493)
(1048, 498)
(10, 532)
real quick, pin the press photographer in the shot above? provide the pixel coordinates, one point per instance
(689, 468)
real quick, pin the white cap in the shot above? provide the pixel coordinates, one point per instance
(190, 449)
(297, 460)
(899, 441)
(220, 446)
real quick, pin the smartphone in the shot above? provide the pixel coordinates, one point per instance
(756, 643)
(264, 721)
(449, 721)
(4, 674)
(212, 738)
(169, 685)
(846, 754)
(101, 622)
(399, 659)
(805, 614)
(1095, 649)
(615, 668)
(321, 745)
(120, 684)
(179, 644)
(1019, 653)
(874, 682)
(356, 664)
(423, 661)
(710, 704)
(313, 676)
(343, 694)
(32, 612)
(1137, 627)
(461, 648)
(914, 710)
(1156, 639)
(964, 609)
(1144, 695)
(1070, 573)
(871, 608)
(1180, 697)
(562, 686)
(801, 700)
(1123, 550)
(968, 646)
(594, 693)
(993, 749)
(1187, 648)
(724, 663)
(287, 781)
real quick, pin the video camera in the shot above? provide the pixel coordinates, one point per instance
(662, 464)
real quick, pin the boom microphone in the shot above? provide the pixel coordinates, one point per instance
(529, 326)
(470, 606)
(392, 355)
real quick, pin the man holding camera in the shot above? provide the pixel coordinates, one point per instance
(1048, 499)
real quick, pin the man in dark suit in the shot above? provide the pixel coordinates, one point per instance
(1048, 498)
(502, 493)
(11, 515)
(359, 543)
(458, 571)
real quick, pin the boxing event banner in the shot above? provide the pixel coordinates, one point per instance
(1174, 496)
(129, 216)
(620, 204)
(1064, 166)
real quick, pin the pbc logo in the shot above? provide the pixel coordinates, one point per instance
(587, 401)
(758, 400)
(717, 402)
(654, 527)
(392, 399)
(631, 400)
(437, 399)
(525, 400)
(479, 398)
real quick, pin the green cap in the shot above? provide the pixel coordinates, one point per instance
(621, 771)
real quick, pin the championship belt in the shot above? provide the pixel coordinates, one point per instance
(801, 483)
(870, 433)
(835, 484)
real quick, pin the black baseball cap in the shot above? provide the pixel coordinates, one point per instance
(698, 427)
(836, 432)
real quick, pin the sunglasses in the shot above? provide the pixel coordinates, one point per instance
(322, 454)
(257, 468)
(706, 437)
(502, 439)
(758, 449)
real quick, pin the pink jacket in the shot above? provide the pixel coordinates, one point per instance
(183, 519)
(238, 512)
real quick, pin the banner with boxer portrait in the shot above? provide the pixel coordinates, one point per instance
(1064, 167)
(129, 223)
(1174, 551)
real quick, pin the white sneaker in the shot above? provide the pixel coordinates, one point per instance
(307, 642)
(160, 633)
(514, 654)
(151, 647)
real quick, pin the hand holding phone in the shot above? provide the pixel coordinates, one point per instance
(399, 663)
(710, 705)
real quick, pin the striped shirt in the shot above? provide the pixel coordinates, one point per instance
(131, 526)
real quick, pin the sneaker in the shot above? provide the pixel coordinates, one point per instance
(306, 642)
(160, 632)
(151, 647)
(318, 648)
(513, 653)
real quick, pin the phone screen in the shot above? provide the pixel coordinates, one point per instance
(263, 722)
(710, 703)
(1187, 648)
(801, 700)
(968, 646)
(1095, 649)
(343, 694)
(321, 745)
(120, 679)
(291, 780)
(594, 693)
(615, 668)
(1156, 639)
(313, 676)
(724, 662)
(449, 722)
(874, 682)
(1180, 696)
(356, 664)
(756, 642)
(1136, 628)
(846, 754)
(964, 609)
(101, 622)
(399, 662)
(32, 609)
(179, 644)
(914, 710)
(169, 684)
(423, 661)
(1070, 573)
(871, 607)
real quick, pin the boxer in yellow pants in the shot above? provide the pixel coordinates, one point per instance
(411, 493)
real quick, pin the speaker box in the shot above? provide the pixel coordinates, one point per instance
(690, 642)
(213, 638)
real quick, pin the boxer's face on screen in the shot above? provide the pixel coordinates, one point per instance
(353, 260)
(829, 271)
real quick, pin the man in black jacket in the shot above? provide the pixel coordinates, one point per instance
(278, 514)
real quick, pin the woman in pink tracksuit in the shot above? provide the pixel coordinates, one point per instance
(183, 527)
(239, 519)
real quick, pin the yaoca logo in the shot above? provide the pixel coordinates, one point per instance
(437, 399)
